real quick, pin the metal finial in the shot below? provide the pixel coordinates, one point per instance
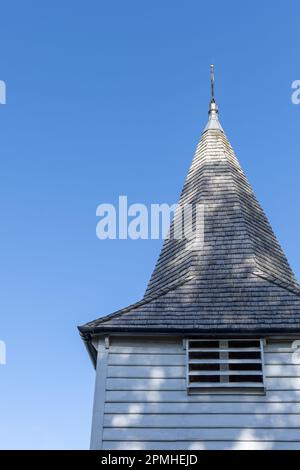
(213, 108)
(212, 80)
(213, 120)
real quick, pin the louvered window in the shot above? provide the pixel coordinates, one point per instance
(229, 365)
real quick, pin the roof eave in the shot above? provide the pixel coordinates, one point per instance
(92, 351)
(261, 331)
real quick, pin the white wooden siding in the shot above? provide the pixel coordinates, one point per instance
(147, 406)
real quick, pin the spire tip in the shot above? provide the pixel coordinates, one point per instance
(213, 121)
(212, 106)
(212, 80)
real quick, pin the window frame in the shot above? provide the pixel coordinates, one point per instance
(226, 387)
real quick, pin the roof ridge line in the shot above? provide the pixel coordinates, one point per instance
(145, 300)
(276, 281)
(256, 269)
(170, 287)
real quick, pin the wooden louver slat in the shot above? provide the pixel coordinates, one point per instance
(224, 365)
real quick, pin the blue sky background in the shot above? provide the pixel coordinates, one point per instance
(107, 98)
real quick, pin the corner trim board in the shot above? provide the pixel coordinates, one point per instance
(99, 398)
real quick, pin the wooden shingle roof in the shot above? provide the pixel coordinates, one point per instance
(239, 281)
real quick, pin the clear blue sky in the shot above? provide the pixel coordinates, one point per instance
(107, 98)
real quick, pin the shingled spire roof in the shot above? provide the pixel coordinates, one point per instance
(238, 281)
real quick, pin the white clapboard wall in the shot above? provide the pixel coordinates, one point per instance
(141, 401)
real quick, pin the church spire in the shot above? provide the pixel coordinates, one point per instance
(213, 121)
(238, 281)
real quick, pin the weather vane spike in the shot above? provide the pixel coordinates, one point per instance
(212, 79)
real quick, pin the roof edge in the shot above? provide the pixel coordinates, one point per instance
(84, 328)
(278, 282)
(204, 332)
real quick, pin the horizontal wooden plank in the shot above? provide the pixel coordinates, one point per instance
(278, 358)
(163, 347)
(203, 408)
(206, 434)
(166, 359)
(200, 420)
(282, 383)
(278, 346)
(208, 445)
(180, 359)
(272, 383)
(283, 370)
(148, 349)
(145, 384)
(145, 345)
(174, 396)
(145, 372)
(144, 340)
(276, 350)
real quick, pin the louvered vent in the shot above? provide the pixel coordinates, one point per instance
(229, 366)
